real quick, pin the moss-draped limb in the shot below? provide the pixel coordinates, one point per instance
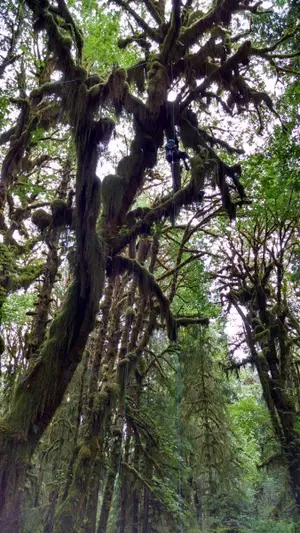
(111, 477)
(223, 73)
(119, 190)
(152, 33)
(49, 88)
(139, 476)
(50, 270)
(143, 249)
(186, 196)
(158, 83)
(145, 303)
(6, 135)
(220, 14)
(75, 32)
(154, 11)
(148, 284)
(172, 33)
(40, 392)
(265, 52)
(193, 138)
(101, 404)
(16, 160)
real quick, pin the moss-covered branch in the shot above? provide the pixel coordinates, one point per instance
(120, 264)
(221, 13)
(40, 392)
(153, 34)
(154, 12)
(172, 33)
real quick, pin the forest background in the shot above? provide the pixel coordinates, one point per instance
(149, 313)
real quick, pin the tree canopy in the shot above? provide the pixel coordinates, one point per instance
(149, 266)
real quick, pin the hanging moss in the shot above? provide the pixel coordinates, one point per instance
(24, 276)
(189, 134)
(130, 166)
(198, 169)
(243, 296)
(194, 15)
(144, 145)
(136, 75)
(41, 219)
(116, 88)
(113, 188)
(158, 82)
(148, 286)
(130, 312)
(61, 213)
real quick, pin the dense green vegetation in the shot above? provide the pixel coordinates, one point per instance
(149, 311)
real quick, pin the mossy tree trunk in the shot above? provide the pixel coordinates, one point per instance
(80, 96)
(40, 393)
(124, 496)
(113, 472)
(269, 326)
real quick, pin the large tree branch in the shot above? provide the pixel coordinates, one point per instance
(263, 51)
(173, 32)
(120, 264)
(153, 34)
(221, 13)
(153, 11)
(224, 73)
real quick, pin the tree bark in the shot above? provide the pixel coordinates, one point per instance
(110, 483)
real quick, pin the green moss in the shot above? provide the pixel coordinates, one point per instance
(25, 276)
(4, 427)
(41, 219)
(116, 83)
(84, 453)
(136, 75)
(100, 399)
(198, 170)
(112, 189)
(61, 213)
(6, 257)
(157, 86)
(130, 165)
(113, 387)
(130, 312)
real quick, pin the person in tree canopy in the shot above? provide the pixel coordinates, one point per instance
(174, 154)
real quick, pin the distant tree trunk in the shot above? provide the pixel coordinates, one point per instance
(90, 514)
(51, 512)
(145, 528)
(40, 393)
(135, 492)
(136, 459)
(124, 487)
(110, 483)
(76, 433)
